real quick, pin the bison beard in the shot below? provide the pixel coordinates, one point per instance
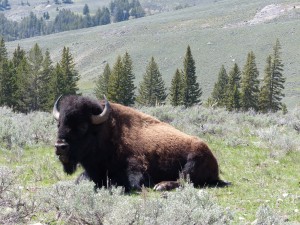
(128, 147)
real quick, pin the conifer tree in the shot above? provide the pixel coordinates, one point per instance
(121, 86)
(3, 63)
(85, 10)
(233, 93)
(152, 91)
(191, 90)
(35, 59)
(3, 51)
(273, 83)
(18, 56)
(22, 98)
(219, 93)
(250, 84)
(176, 90)
(128, 81)
(6, 77)
(102, 83)
(47, 84)
(233, 99)
(69, 74)
(59, 81)
(277, 79)
(265, 97)
(115, 89)
(19, 98)
(7, 83)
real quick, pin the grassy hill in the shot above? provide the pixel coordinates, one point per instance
(219, 32)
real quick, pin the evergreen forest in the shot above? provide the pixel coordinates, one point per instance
(66, 20)
(30, 82)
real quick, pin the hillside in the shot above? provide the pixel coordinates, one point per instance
(219, 32)
(19, 10)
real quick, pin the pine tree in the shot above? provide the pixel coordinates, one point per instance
(265, 97)
(17, 94)
(102, 83)
(115, 91)
(22, 98)
(59, 81)
(86, 10)
(219, 93)
(233, 99)
(18, 56)
(69, 74)
(277, 80)
(120, 85)
(128, 81)
(176, 90)
(191, 90)
(233, 93)
(152, 89)
(35, 59)
(273, 82)
(7, 83)
(250, 84)
(3, 69)
(47, 84)
(6, 77)
(3, 51)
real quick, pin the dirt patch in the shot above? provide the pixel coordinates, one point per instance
(268, 13)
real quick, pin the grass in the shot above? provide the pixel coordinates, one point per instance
(258, 180)
(210, 28)
(264, 174)
(37, 166)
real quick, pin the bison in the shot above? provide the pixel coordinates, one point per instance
(132, 149)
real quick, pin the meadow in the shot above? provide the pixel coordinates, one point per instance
(258, 153)
(219, 32)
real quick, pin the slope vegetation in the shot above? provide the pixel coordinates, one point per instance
(219, 32)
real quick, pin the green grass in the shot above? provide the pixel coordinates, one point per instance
(37, 167)
(258, 179)
(209, 28)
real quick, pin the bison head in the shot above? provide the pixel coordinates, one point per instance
(78, 120)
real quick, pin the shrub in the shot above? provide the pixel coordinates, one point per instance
(19, 130)
(82, 204)
(266, 216)
(16, 206)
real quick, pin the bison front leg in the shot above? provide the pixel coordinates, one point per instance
(134, 174)
(166, 185)
(83, 176)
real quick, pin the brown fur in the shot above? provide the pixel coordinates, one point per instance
(134, 149)
(144, 137)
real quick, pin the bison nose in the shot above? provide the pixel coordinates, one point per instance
(61, 147)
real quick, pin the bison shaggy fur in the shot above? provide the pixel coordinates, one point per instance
(129, 147)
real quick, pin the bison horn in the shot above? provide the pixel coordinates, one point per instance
(98, 119)
(55, 111)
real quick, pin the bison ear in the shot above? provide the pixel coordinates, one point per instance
(55, 111)
(100, 118)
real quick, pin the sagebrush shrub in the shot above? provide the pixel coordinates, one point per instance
(16, 205)
(19, 130)
(266, 216)
(83, 204)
